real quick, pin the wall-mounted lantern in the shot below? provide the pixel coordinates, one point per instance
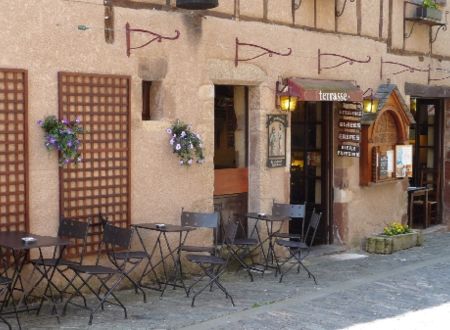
(197, 4)
(370, 102)
(283, 98)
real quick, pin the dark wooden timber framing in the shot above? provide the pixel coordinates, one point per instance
(380, 25)
(358, 17)
(101, 182)
(14, 194)
(236, 15)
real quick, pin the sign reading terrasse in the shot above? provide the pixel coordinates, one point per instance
(349, 129)
(333, 96)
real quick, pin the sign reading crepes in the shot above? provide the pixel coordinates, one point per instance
(349, 133)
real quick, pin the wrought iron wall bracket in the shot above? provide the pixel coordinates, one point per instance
(156, 37)
(405, 68)
(437, 79)
(339, 13)
(441, 27)
(265, 50)
(347, 60)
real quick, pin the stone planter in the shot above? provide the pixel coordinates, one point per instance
(383, 244)
(429, 14)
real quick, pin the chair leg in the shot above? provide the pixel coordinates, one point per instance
(214, 276)
(300, 262)
(235, 255)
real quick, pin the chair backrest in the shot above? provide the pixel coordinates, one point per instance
(77, 230)
(289, 210)
(203, 220)
(229, 234)
(311, 231)
(117, 237)
(72, 228)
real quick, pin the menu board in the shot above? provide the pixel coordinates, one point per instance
(349, 129)
(404, 161)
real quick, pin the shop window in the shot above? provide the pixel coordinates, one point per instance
(385, 151)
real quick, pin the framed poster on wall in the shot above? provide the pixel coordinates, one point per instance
(404, 161)
(276, 140)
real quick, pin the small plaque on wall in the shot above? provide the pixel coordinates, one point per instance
(276, 140)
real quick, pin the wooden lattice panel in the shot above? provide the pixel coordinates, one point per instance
(13, 150)
(101, 182)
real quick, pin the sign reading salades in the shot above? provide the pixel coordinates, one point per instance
(349, 129)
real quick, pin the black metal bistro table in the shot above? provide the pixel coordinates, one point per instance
(13, 243)
(273, 225)
(173, 252)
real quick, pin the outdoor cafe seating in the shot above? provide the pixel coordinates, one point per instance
(159, 259)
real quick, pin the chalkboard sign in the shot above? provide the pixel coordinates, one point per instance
(383, 166)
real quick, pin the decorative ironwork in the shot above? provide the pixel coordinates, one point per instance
(438, 79)
(296, 4)
(406, 68)
(266, 52)
(441, 27)
(156, 36)
(348, 60)
(339, 13)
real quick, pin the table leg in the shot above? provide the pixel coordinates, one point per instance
(149, 267)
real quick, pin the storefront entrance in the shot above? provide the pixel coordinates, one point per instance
(426, 137)
(311, 164)
(230, 155)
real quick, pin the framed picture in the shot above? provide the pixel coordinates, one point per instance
(276, 140)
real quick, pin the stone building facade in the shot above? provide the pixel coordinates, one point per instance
(68, 42)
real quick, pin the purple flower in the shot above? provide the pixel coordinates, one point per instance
(51, 139)
(78, 120)
(172, 141)
(66, 161)
(40, 122)
(190, 161)
(169, 131)
(79, 159)
(181, 162)
(64, 121)
(178, 147)
(183, 134)
(191, 146)
(69, 144)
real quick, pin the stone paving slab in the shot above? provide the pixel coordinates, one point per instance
(353, 289)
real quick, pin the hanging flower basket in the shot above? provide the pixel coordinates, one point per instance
(185, 143)
(63, 136)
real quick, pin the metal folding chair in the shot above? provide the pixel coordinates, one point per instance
(240, 249)
(115, 239)
(299, 250)
(213, 266)
(294, 211)
(201, 220)
(75, 230)
(6, 293)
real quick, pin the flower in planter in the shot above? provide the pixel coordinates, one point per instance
(63, 136)
(396, 229)
(430, 4)
(185, 143)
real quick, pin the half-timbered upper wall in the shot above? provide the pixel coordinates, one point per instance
(376, 19)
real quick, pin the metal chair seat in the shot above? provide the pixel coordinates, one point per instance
(130, 255)
(246, 241)
(94, 269)
(287, 235)
(52, 262)
(192, 248)
(292, 244)
(202, 259)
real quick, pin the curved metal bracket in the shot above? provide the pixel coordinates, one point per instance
(266, 51)
(347, 60)
(339, 13)
(406, 68)
(408, 34)
(156, 36)
(441, 27)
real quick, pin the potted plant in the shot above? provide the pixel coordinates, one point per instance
(395, 237)
(429, 10)
(186, 144)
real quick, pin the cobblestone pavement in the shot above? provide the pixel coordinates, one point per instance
(407, 290)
